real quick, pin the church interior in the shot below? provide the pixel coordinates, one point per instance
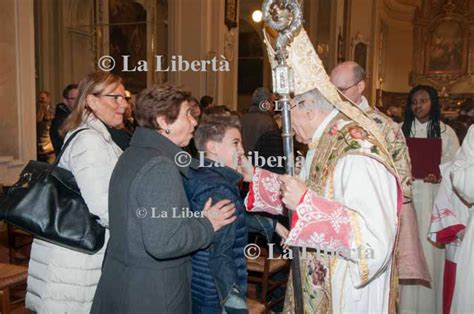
(49, 44)
(216, 48)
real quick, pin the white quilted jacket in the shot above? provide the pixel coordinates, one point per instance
(62, 280)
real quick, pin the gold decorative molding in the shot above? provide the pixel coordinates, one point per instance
(360, 51)
(229, 44)
(443, 39)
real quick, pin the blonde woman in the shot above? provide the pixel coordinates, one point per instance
(61, 280)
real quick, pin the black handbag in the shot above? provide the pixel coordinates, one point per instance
(47, 202)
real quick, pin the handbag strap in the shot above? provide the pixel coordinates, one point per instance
(69, 140)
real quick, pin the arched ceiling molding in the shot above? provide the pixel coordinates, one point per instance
(401, 10)
(411, 2)
(395, 23)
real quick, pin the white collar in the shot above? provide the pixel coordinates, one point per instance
(92, 122)
(364, 104)
(418, 124)
(319, 131)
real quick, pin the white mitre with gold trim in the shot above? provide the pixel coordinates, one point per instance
(308, 68)
(309, 73)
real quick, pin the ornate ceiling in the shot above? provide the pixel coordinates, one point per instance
(401, 10)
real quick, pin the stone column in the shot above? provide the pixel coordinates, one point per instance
(17, 80)
(197, 32)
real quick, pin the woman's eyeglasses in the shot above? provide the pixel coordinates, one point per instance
(115, 97)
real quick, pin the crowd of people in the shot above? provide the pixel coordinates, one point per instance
(176, 233)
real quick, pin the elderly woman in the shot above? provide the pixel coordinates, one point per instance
(148, 264)
(61, 280)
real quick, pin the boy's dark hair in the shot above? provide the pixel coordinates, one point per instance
(213, 128)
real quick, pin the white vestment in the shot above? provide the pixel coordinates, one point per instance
(462, 176)
(417, 298)
(363, 213)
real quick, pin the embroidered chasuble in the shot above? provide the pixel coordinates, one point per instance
(347, 222)
(411, 261)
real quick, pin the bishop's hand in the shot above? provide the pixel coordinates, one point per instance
(292, 190)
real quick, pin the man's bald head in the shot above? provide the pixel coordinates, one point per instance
(349, 78)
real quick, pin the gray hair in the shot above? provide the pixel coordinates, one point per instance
(212, 128)
(315, 100)
(259, 95)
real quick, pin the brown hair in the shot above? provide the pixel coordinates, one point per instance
(219, 110)
(92, 84)
(45, 92)
(213, 127)
(164, 100)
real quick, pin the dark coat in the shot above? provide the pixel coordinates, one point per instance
(147, 268)
(223, 266)
(255, 123)
(120, 137)
(61, 113)
(270, 145)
